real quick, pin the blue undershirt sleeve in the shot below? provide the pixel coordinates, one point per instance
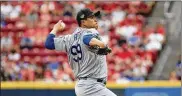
(49, 44)
(87, 38)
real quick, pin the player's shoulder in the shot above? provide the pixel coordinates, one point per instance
(91, 31)
(64, 37)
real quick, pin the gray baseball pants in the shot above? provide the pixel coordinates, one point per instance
(91, 87)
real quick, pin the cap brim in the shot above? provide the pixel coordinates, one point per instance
(97, 14)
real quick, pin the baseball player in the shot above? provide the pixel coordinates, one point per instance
(86, 54)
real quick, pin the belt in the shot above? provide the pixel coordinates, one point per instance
(98, 80)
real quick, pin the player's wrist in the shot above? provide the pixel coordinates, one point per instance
(54, 31)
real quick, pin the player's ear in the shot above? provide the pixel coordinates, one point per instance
(83, 22)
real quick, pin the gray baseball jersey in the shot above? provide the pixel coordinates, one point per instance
(83, 61)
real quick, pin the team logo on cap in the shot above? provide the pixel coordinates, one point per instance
(82, 16)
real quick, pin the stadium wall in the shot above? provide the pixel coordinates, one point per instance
(147, 88)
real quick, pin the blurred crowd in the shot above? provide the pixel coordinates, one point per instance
(25, 25)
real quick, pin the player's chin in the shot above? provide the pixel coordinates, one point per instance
(96, 26)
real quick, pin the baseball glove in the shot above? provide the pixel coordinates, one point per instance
(98, 50)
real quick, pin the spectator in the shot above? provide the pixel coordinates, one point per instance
(21, 24)
(133, 40)
(156, 37)
(3, 23)
(127, 30)
(90, 4)
(46, 17)
(78, 6)
(135, 71)
(31, 73)
(24, 65)
(153, 45)
(6, 9)
(39, 73)
(68, 10)
(26, 43)
(117, 15)
(104, 24)
(53, 64)
(61, 76)
(68, 70)
(27, 7)
(28, 38)
(139, 71)
(11, 71)
(14, 55)
(47, 7)
(124, 52)
(173, 76)
(41, 33)
(147, 61)
(178, 68)
(32, 18)
(6, 41)
(4, 75)
(27, 72)
(15, 13)
(48, 76)
(155, 41)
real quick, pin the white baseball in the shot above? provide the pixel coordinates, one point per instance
(63, 25)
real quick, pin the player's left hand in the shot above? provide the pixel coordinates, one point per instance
(100, 51)
(104, 51)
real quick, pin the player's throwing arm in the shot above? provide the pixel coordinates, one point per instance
(59, 26)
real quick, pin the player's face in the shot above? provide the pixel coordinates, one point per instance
(91, 22)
